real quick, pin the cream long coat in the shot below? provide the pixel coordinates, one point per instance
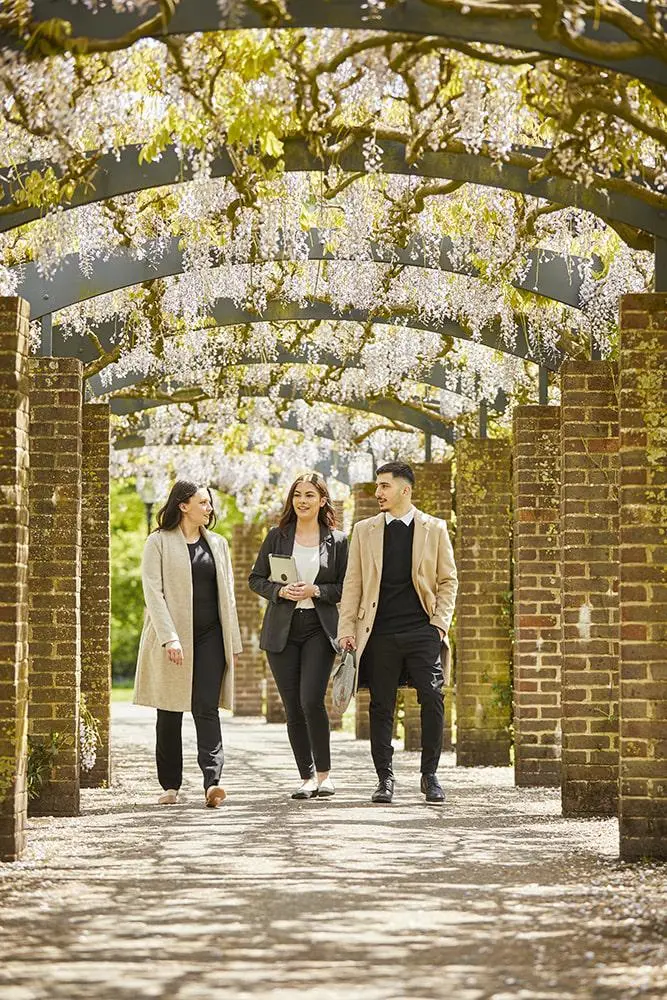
(167, 581)
(433, 575)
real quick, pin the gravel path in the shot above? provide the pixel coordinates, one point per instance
(495, 897)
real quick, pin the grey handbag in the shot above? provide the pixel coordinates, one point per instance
(344, 676)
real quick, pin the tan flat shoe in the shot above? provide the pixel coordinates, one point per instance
(168, 798)
(215, 796)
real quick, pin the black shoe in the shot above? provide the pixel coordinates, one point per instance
(384, 791)
(432, 789)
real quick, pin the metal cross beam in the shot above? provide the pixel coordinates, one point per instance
(390, 409)
(414, 17)
(114, 176)
(550, 275)
(439, 375)
(225, 312)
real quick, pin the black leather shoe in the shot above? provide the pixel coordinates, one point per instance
(432, 790)
(384, 791)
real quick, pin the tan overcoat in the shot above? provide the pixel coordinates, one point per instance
(167, 581)
(433, 575)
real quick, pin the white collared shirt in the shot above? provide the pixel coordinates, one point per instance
(406, 519)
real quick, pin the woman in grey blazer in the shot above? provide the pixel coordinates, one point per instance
(301, 622)
(190, 636)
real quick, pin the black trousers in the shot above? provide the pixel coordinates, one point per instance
(385, 658)
(302, 672)
(208, 668)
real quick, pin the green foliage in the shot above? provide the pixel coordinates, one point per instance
(41, 758)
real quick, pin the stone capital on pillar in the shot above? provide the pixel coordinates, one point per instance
(643, 576)
(14, 461)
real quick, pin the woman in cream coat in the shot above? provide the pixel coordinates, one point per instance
(190, 636)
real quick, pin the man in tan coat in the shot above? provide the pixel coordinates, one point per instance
(396, 609)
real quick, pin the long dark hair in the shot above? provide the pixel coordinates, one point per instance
(169, 516)
(326, 514)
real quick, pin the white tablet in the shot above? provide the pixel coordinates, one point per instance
(283, 569)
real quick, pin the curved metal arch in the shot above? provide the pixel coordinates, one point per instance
(410, 17)
(226, 313)
(123, 174)
(388, 408)
(550, 275)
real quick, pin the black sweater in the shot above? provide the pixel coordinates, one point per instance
(399, 607)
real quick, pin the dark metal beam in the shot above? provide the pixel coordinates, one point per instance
(114, 176)
(388, 408)
(550, 275)
(438, 376)
(225, 312)
(415, 17)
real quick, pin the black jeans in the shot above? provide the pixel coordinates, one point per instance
(385, 657)
(208, 668)
(302, 673)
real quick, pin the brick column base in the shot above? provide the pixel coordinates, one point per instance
(589, 535)
(14, 427)
(95, 587)
(643, 576)
(537, 596)
(55, 575)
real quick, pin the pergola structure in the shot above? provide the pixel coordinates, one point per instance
(359, 205)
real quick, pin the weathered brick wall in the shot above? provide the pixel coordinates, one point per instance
(589, 536)
(483, 643)
(365, 505)
(537, 595)
(433, 489)
(643, 576)
(433, 495)
(14, 456)
(250, 665)
(335, 717)
(95, 585)
(55, 573)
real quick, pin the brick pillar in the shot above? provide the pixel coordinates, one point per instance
(274, 709)
(55, 574)
(643, 577)
(589, 538)
(335, 717)
(483, 642)
(433, 495)
(249, 673)
(537, 595)
(339, 510)
(364, 505)
(14, 427)
(95, 586)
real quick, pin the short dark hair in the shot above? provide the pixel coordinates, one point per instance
(399, 470)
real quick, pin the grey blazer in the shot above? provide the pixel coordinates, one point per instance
(278, 617)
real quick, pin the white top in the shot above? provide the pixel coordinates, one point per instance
(307, 559)
(406, 519)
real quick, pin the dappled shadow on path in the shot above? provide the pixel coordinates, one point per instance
(494, 897)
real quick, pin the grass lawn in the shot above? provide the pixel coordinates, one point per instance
(122, 693)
